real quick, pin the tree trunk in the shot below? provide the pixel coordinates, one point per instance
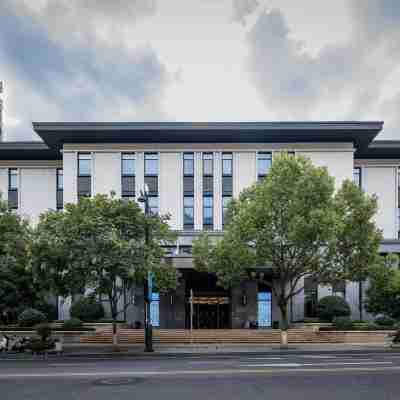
(284, 325)
(115, 333)
(360, 299)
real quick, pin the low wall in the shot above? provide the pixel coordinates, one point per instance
(64, 336)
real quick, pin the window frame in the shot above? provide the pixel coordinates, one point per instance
(263, 155)
(147, 157)
(185, 173)
(209, 157)
(89, 158)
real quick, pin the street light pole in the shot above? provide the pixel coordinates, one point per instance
(148, 329)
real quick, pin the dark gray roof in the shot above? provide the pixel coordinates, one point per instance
(56, 134)
(27, 151)
(380, 149)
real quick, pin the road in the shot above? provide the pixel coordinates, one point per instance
(366, 376)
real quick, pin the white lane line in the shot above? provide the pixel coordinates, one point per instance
(264, 358)
(186, 372)
(324, 364)
(318, 356)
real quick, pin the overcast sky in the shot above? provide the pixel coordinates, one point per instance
(199, 60)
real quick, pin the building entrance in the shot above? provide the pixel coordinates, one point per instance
(207, 304)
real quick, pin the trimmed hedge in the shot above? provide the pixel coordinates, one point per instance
(331, 307)
(73, 323)
(87, 309)
(31, 317)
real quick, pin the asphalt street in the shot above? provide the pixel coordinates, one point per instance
(364, 376)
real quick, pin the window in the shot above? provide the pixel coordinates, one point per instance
(339, 289)
(357, 176)
(84, 175)
(225, 204)
(207, 164)
(310, 297)
(155, 309)
(128, 176)
(13, 188)
(60, 189)
(208, 212)
(153, 204)
(264, 162)
(188, 212)
(264, 309)
(226, 164)
(151, 164)
(188, 164)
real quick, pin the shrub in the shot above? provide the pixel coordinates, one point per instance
(50, 310)
(73, 323)
(330, 307)
(31, 317)
(385, 321)
(87, 309)
(343, 323)
(43, 330)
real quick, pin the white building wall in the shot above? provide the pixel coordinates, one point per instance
(106, 174)
(244, 171)
(70, 166)
(37, 191)
(382, 182)
(340, 164)
(4, 183)
(171, 188)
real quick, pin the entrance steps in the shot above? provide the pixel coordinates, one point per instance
(210, 336)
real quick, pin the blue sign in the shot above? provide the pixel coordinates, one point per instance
(149, 285)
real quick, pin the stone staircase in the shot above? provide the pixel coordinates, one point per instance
(211, 336)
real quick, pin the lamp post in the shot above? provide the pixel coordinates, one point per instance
(148, 329)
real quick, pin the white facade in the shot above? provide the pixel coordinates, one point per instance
(37, 182)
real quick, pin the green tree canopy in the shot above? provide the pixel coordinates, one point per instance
(17, 286)
(383, 293)
(100, 244)
(287, 225)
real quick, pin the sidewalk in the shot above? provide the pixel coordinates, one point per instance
(211, 349)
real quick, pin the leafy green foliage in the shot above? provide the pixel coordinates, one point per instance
(18, 288)
(87, 309)
(383, 293)
(100, 243)
(290, 225)
(43, 330)
(31, 317)
(50, 310)
(385, 321)
(73, 323)
(343, 323)
(330, 307)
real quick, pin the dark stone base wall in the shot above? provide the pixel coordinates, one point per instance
(173, 308)
(244, 312)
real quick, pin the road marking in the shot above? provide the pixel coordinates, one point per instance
(188, 372)
(264, 358)
(324, 364)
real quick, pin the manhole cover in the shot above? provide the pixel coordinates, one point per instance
(118, 381)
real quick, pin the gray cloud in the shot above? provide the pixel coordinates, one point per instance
(243, 8)
(53, 78)
(297, 85)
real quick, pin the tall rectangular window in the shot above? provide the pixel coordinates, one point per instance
(188, 191)
(188, 212)
(208, 213)
(264, 163)
(227, 183)
(84, 175)
(13, 188)
(60, 189)
(357, 177)
(151, 180)
(339, 288)
(208, 191)
(310, 297)
(128, 176)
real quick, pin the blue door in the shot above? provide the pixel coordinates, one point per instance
(264, 309)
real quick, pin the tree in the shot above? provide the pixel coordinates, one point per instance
(99, 244)
(284, 223)
(17, 286)
(355, 246)
(289, 223)
(383, 293)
